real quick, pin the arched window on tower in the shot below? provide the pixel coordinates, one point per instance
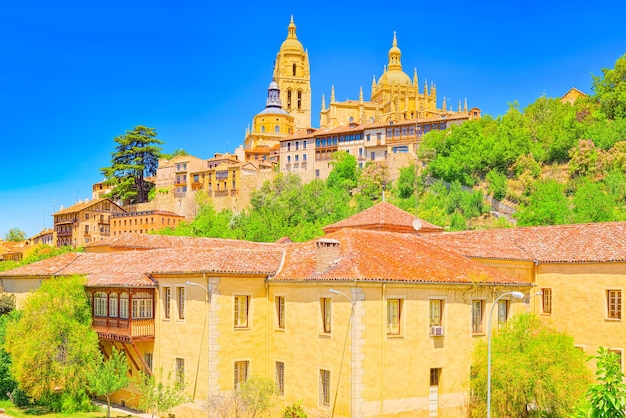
(294, 69)
(276, 129)
(299, 99)
(288, 99)
(262, 128)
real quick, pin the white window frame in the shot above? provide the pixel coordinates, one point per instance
(473, 323)
(100, 302)
(326, 313)
(614, 304)
(395, 315)
(279, 377)
(238, 322)
(167, 301)
(280, 312)
(238, 379)
(113, 304)
(181, 302)
(503, 317)
(124, 312)
(325, 387)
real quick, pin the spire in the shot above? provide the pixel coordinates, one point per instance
(425, 87)
(332, 94)
(459, 106)
(415, 77)
(465, 108)
(361, 95)
(323, 103)
(373, 83)
(443, 107)
(291, 30)
(394, 55)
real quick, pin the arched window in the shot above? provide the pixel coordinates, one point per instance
(113, 305)
(288, 99)
(299, 100)
(124, 305)
(294, 69)
(100, 304)
(276, 128)
(262, 129)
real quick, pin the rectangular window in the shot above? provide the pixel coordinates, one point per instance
(434, 376)
(546, 301)
(325, 305)
(317, 173)
(100, 304)
(503, 312)
(614, 304)
(148, 359)
(124, 305)
(280, 378)
(113, 305)
(180, 299)
(436, 312)
(241, 373)
(394, 313)
(303, 144)
(180, 371)
(280, 311)
(477, 316)
(325, 387)
(167, 302)
(142, 305)
(241, 311)
(303, 157)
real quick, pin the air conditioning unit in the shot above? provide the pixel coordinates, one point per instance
(436, 331)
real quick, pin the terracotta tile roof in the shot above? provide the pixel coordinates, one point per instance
(135, 268)
(577, 243)
(83, 205)
(384, 216)
(135, 241)
(385, 256)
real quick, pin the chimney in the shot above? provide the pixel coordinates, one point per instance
(327, 253)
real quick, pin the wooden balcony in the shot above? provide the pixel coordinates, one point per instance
(124, 330)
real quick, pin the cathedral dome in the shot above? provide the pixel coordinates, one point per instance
(292, 41)
(394, 77)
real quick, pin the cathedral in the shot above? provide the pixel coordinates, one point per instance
(394, 97)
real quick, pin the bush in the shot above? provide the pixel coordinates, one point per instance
(294, 411)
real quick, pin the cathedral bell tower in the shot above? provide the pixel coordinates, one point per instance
(293, 75)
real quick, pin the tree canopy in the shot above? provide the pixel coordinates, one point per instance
(135, 159)
(535, 371)
(15, 235)
(52, 344)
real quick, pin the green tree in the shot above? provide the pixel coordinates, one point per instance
(136, 158)
(406, 183)
(592, 203)
(7, 302)
(610, 89)
(497, 184)
(547, 205)
(535, 371)
(15, 235)
(109, 376)
(607, 397)
(7, 382)
(344, 174)
(52, 345)
(159, 395)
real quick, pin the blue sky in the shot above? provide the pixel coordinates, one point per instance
(73, 75)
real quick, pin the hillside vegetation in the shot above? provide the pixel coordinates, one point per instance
(553, 162)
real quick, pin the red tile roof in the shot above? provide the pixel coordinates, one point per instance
(385, 256)
(384, 216)
(578, 243)
(84, 205)
(135, 241)
(135, 268)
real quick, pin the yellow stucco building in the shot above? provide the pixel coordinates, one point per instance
(370, 320)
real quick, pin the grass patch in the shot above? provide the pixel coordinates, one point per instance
(40, 411)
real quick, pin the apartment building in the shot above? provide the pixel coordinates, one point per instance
(84, 222)
(143, 222)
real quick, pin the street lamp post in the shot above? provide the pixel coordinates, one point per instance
(352, 370)
(208, 344)
(517, 295)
